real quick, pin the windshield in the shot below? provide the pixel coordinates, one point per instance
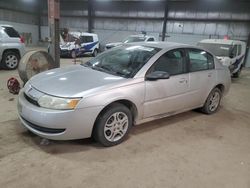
(222, 50)
(134, 39)
(123, 61)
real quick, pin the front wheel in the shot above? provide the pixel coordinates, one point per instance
(213, 101)
(237, 74)
(113, 125)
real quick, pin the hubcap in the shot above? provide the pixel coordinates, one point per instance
(214, 101)
(11, 61)
(116, 126)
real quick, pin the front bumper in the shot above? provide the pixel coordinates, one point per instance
(57, 124)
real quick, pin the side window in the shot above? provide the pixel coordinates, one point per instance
(198, 60)
(210, 60)
(234, 51)
(172, 62)
(11, 32)
(86, 39)
(151, 39)
(239, 49)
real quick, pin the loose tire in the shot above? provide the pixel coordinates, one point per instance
(213, 102)
(10, 60)
(94, 54)
(113, 125)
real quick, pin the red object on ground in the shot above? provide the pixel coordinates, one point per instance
(13, 85)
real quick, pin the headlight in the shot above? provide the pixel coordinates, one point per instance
(57, 103)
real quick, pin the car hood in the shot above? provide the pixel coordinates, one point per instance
(73, 81)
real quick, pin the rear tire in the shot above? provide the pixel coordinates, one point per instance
(10, 60)
(113, 125)
(213, 102)
(95, 52)
(73, 54)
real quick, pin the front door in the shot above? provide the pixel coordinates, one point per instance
(167, 95)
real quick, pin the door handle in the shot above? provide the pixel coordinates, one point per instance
(210, 74)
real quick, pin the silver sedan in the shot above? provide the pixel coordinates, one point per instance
(125, 86)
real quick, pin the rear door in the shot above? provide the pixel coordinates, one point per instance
(202, 75)
(167, 95)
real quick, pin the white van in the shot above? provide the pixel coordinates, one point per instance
(79, 43)
(230, 52)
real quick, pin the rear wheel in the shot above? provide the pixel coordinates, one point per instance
(94, 54)
(113, 125)
(213, 101)
(10, 60)
(73, 54)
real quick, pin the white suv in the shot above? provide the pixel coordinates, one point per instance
(11, 47)
(132, 38)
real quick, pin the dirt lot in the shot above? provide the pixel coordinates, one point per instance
(186, 150)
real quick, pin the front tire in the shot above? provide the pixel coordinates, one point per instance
(10, 60)
(213, 102)
(237, 74)
(113, 125)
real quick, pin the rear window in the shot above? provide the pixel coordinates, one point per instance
(11, 32)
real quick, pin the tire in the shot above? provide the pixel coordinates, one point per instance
(95, 52)
(73, 54)
(113, 125)
(237, 74)
(211, 107)
(10, 60)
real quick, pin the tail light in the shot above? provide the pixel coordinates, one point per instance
(21, 39)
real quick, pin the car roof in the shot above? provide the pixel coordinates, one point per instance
(220, 41)
(140, 35)
(78, 34)
(163, 45)
(6, 26)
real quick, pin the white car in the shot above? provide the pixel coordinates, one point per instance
(11, 47)
(230, 52)
(132, 38)
(80, 43)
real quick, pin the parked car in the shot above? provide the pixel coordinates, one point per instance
(79, 44)
(11, 47)
(230, 52)
(132, 38)
(127, 85)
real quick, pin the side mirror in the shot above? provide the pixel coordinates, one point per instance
(157, 75)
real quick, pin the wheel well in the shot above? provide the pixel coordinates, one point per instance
(13, 50)
(131, 106)
(221, 87)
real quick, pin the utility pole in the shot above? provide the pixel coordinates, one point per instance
(164, 28)
(90, 16)
(53, 20)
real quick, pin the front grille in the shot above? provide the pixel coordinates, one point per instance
(43, 129)
(32, 101)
